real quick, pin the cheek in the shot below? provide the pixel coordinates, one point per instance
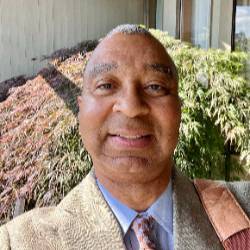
(168, 116)
(92, 116)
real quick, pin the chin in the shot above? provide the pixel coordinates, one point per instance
(132, 163)
(129, 168)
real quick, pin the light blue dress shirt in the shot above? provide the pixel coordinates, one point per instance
(161, 210)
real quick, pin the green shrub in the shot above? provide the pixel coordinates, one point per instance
(215, 112)
(67, 164)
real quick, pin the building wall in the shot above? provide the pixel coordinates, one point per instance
(30, 29)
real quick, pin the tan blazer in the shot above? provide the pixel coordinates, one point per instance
(83, 220)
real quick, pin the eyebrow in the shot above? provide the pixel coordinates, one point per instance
(161, 68)
(102, 68)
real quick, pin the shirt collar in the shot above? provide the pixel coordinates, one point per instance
(161, 210)
(124, 214)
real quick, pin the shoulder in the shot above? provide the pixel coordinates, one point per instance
(25, 231)
(51, 226)
(241, 191)
(40, 225)
(4, 238)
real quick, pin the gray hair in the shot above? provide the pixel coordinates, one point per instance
(129, 29)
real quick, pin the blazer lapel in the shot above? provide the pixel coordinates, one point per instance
(192, 228)
(90, 223)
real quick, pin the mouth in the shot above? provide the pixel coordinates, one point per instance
(139, 140)
(131, 137)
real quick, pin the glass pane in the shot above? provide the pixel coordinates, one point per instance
(242, 26)
(201, 23)
(195, 22)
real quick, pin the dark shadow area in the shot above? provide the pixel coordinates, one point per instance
(66, 89)
(63, 87)
(6, 85)
(63, 54)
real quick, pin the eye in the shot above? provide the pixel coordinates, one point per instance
(104, 86)
(156, 89)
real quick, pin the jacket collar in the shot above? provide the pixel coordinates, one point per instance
(88, 214)
(90, 224)
(192, 228)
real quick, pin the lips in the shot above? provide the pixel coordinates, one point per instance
(132, 137)
(132, 140)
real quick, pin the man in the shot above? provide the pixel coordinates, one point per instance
(133, 198)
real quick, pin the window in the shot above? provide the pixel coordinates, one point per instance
(195, 23)
(242, 26)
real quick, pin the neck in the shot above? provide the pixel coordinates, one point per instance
(138, 196)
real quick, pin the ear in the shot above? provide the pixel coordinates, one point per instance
(79, 101)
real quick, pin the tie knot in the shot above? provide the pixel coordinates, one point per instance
(143, 228)
(143, 222)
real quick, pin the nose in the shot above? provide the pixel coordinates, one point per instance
(131, 103)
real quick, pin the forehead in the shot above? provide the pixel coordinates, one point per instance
(129, 49)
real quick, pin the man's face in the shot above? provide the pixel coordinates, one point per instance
(129, 110)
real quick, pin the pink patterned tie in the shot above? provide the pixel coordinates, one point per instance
(142, 226)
